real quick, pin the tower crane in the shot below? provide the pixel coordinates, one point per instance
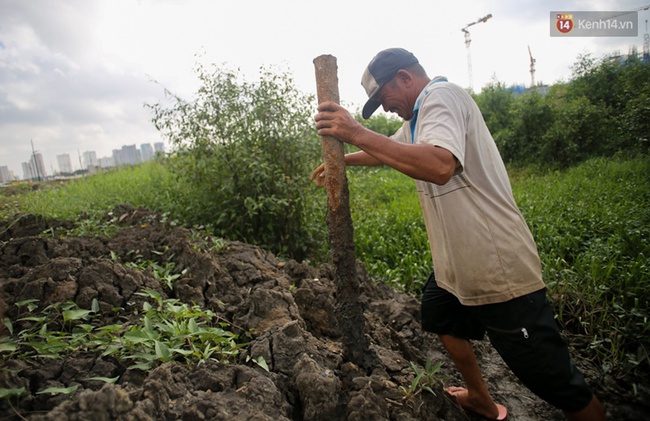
(532, 68)
(468, 42)
(646, 44)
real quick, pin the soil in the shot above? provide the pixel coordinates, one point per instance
(285, 309)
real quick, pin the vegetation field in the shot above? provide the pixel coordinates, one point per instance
(591, 224)
(592, 228)
(243, 153)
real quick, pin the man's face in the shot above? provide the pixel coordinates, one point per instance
(394, 99)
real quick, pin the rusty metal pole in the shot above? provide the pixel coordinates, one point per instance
(348, 312)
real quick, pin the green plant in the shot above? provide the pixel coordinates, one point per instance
(164, 272)
(149, 185)
(389, 233)
(167, 330)
(95, 226)
(592, 224)
(206, 243)
(9, 393)
(423, 381)
(244, 152)
(259, 361)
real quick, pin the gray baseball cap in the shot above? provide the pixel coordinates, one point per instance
(382, 68)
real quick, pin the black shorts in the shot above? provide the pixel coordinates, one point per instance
(524, 333)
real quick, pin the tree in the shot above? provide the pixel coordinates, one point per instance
(246, 150)
(495, 103)
(380, 123)
(522, 142)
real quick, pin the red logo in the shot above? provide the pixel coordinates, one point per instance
(564, 23)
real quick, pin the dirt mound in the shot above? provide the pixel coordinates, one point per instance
(285, 310)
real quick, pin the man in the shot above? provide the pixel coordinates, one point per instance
(487, 273)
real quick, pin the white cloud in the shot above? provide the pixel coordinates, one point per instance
(74, 74)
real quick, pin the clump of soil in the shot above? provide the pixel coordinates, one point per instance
(285, 309)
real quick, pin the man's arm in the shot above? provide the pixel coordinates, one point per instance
(361, 159)
(419, 161)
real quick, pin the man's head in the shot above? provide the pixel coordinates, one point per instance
(386, 68)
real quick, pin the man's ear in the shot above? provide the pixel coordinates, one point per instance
(404, 76)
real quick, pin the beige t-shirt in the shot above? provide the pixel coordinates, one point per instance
(482, 249)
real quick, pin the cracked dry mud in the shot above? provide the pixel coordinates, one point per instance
(288, 307)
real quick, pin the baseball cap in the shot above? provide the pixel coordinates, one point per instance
(382, 68)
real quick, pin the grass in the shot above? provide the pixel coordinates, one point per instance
(390, 236)
(591, 224)
(146, 185)
(592, 227)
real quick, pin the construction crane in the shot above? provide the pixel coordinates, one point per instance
(532, 68)
(468, 41)
(646, 44)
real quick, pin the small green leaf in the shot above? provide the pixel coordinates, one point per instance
(136, 336)
(192, 326)
(69, 315)
(262, 363)
(144, 366)
(7, 393)
(94, 306)
(10, 327)
(162, 351)
(110, 380)
(111, 349)
(33, 319)
(109, 328)
(8, 346)
(59, 390)
(20, 304)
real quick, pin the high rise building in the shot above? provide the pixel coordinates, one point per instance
(38, 167)
(90, 159)
(65, 164)
(147, 152)
(107, 162)
(131, 155)
(5, 174)
(159, 147)
(28, 174)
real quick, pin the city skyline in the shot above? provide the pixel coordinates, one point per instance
(36, 167)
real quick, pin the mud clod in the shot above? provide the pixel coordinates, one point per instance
(284, 310)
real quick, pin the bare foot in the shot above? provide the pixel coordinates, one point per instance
(478, 404)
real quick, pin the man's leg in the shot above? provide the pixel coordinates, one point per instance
(525, 334)
(476, 398)
(593, 412)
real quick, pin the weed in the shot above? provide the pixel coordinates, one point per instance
(165, 272)
(423, 381)
(168, 330)
(206, 243)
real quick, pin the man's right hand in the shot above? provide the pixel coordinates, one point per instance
(319, 175)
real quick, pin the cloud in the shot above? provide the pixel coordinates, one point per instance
(74, 74)
(57, 88)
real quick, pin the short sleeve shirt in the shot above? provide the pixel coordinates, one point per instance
(483, 251)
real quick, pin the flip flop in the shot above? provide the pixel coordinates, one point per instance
(503, 412)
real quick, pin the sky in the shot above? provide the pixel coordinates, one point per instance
(75, 75)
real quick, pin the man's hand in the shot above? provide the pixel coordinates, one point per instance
(319, 175)
(334, 120)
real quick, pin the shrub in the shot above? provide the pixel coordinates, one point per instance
(245, 152)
